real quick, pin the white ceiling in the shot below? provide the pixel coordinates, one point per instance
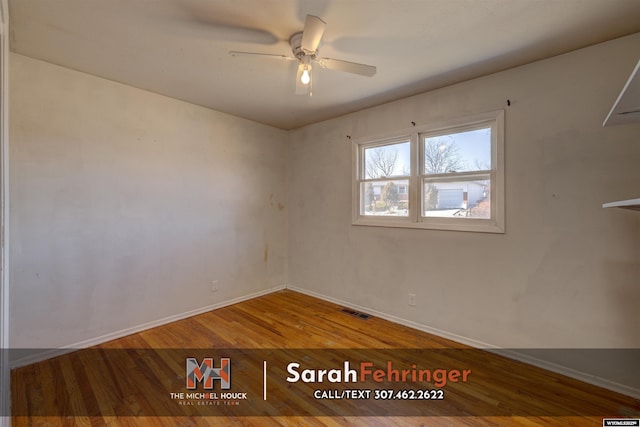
(179, 48)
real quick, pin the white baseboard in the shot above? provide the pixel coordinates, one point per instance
(553, 367)
(511, 354)
(569, 372)
(443, 334)
(50, 353)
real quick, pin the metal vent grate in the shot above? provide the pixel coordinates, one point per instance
(355, 313)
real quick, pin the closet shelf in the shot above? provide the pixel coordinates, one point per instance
(626, 109)
(633, 204)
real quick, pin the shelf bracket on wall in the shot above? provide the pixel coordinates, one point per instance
(626, 109)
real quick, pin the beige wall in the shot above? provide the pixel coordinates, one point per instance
(125, 205)
(565, 274)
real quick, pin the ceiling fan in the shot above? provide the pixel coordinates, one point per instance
(304, 45)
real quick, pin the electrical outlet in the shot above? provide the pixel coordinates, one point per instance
(412, 300)
(214, 285)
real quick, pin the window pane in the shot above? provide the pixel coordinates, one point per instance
(386, 161)
(463, 198)
(386, 198)
(458, 152)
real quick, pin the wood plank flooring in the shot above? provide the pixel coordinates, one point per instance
(127, 382)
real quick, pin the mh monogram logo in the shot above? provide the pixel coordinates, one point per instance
(206, 373)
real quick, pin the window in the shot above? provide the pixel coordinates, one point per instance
(386, 172)
(447, 176)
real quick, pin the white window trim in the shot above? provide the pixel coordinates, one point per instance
(496, 224)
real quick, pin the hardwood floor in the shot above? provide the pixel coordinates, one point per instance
(130, 381)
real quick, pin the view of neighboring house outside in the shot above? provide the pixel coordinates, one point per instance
(386, 198)
(441, 199)
(460, 198)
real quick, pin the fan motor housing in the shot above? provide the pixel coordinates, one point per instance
(296, 47)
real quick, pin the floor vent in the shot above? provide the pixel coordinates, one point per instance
(355, 313)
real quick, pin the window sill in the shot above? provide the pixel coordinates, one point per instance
(468, 225)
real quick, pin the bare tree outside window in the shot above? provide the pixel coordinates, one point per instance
(449, 155)
(390, 195)
(441, 155)
(381, 162)
(370, 197)
(386, 168)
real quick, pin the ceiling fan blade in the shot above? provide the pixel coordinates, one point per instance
(346, 66)
(202, 19)
(264, 55)
(231, 33)
(312, 33)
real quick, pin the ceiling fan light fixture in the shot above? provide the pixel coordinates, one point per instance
(304, 46)
(305, 78)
